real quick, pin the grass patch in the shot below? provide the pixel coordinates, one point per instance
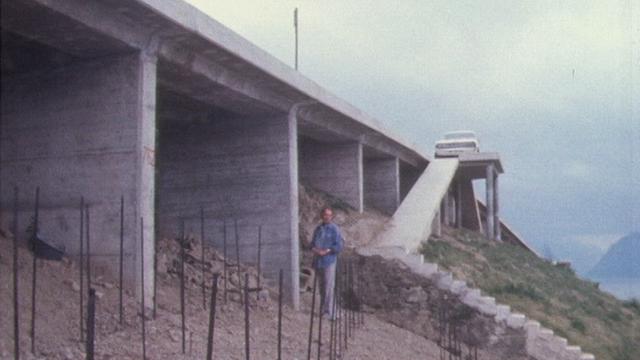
(574, 308)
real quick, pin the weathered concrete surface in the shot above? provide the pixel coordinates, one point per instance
(333, 168)
(382, 184)
(411, 223)
(82, 130)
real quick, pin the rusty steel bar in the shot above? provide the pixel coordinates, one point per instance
(121, 307)
(88, 219)
(246, 316)
(34, 272)
(142, 312)
(81, 268)
(259, 262)
(16, 315)
(91, 324)
(224, 251)
(313, 305)
(182, 284)
(320, 315)
(280, 274)
(212, 315)
(204, 291)
(237, 238)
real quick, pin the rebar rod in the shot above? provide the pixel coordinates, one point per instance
(91, 324)
(259, 262)
(320, 309)
(204, 291)
(142, 312)
(88, 237)
(121, 307)
(34, 272)
(313, 305)
(81, 268)
(224, 251)
(212, 315)
(246, 316)
(237, 238)
(280, 275)
(16, 309)
(182, 241)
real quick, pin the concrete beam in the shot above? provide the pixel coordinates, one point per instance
(334, 168)
(470, 213)
(382, 184)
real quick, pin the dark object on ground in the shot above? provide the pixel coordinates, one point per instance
(44, 250)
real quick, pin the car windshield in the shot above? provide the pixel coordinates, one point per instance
(466, 144)
(459, 135)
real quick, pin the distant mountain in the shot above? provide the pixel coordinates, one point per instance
(622, 260)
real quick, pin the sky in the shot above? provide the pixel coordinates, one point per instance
(553, 86)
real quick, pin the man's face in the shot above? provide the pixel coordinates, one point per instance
(327, 215)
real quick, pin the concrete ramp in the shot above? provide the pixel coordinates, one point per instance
(411, 223)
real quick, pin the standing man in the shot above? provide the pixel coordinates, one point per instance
(326, 245)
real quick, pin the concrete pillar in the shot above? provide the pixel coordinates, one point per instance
(145, 169)
(436, 225)
(446, 209)
(490, 190)
(84, 129)
(335, 168)
(382, 184)
(496, 205)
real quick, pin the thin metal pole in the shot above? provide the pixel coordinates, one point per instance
(212, 315)
(320, 308)
(346, 307)
(88, 247)
(155, 278)
(34, 273)
(182, 283)
(144, 317)
(91, 322)
(334, 319)
(295, 25)
(204, 291)
(313, 305)
(340, 309)
(259, 261)
(121, 255)
(246, 316)
(224, 250)
(16, 315)
(235, 225)
(81, 268)
(280, 274)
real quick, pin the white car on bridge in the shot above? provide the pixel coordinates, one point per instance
(456, 142)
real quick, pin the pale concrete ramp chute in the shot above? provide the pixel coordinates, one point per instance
(412, 221)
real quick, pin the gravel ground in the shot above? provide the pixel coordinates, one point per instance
(57, 321)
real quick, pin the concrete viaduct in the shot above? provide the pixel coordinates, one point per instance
(154, 101)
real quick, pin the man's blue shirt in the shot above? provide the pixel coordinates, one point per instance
(327, 236)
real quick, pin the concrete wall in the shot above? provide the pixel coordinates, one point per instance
(236, 169)
(382, 184)
(79, 130)
(335, 168)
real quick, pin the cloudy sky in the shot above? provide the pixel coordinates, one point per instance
(551, 85)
